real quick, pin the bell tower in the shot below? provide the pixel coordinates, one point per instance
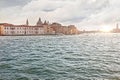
(27, 22)
(117, 26)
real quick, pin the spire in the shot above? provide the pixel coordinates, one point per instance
(45, 22)
(39, 19)
(39, 23)
(27, 22)
(117, 26)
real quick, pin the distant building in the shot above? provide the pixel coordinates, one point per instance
(116, 30)
(56, 27)
(72, 29)
(39, 29)
(9, 29)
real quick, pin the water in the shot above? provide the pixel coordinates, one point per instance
(77, 57)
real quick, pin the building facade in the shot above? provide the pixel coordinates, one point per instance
(7, 29)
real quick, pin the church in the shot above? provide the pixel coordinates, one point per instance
(39, 29)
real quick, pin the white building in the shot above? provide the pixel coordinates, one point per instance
(8, 29)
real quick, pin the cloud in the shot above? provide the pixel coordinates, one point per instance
(8, 3)
(85, 14)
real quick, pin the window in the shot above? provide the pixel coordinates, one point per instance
(12, 28)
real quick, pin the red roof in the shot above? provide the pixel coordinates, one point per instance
(6, 24)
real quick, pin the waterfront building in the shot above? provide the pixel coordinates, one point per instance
(39, 29)
(9, 29)
(72, 29)
(56, 27)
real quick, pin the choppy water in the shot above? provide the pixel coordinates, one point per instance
(80, 57)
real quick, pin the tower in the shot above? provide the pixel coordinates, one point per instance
(39, 23)
(45, 22)
(27, 22)
(117, 26)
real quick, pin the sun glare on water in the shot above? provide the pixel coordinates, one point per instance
(106, 29)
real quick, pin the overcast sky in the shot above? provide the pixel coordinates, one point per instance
(85, 14)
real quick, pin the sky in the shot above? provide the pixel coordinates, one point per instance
(84, 14)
